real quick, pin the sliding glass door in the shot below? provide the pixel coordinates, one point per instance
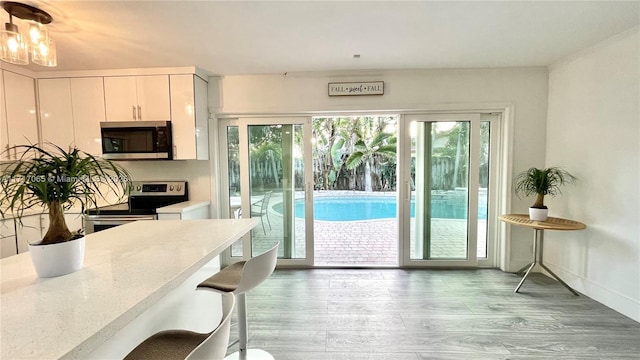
(273, 153)
(446, 179)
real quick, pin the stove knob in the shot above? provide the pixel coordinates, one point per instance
(171, 188)
(138, 187)
(179, 187)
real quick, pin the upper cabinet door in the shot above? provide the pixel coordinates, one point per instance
(56, 114)
(87, 96)
(153, 98)
(120, 98)
(189, 117)
(20, 102)
(4, 138)
(129, 98)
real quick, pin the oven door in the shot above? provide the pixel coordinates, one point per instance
(95, 223)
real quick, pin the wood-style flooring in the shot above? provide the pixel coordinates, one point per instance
(393, 314)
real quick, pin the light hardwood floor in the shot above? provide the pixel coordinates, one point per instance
(392, 314)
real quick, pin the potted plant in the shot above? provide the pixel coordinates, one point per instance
(541, 182)
(54, 180)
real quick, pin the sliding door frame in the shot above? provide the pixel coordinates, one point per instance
(243, 124)
(502, 135)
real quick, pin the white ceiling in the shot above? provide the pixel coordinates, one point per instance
(242, 37)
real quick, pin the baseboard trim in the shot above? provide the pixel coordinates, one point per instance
(621, 303)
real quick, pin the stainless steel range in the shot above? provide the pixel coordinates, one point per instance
(145, 198)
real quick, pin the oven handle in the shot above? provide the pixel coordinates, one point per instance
(117, 220)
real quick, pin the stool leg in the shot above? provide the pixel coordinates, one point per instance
(244, 354)
(242, 325)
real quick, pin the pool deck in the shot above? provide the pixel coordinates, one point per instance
(363, 243)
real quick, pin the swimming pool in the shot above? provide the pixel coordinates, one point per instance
(358, 208)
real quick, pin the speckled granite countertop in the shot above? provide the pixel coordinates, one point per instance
(126, 270)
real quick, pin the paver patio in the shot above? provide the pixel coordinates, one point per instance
(360, 243)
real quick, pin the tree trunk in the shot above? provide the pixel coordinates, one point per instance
(367, 177)
(539, 202)
(456, 168)
(352, 180)
(58, 230)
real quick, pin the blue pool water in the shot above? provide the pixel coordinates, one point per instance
(353, 208)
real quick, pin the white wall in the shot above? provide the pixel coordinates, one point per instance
(593, 129)
(524, 88)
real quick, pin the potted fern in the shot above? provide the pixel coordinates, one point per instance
(541, 182)
(55, 180)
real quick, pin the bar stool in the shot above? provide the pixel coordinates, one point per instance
(189, 345)
(238, 279)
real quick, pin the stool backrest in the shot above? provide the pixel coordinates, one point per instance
(215, 345)
(257, 269)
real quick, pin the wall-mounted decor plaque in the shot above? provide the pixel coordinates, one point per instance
(356, 88)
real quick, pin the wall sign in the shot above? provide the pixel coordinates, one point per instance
(356, 88)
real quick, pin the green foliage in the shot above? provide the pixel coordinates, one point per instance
(542, 182)
(355, 159)
(353, 142)
(57, 178)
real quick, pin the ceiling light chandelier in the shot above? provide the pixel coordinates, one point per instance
(15, 46)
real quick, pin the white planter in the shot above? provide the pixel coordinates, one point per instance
(58, 259)
(537, 214)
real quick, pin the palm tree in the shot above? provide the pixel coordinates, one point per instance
(371, 142)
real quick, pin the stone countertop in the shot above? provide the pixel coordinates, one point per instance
(127, 269)
(182, 207)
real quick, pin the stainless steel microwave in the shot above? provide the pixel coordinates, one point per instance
(136, 140)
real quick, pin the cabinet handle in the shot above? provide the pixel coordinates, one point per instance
(175, 152)
(139, 113)
(133, 113)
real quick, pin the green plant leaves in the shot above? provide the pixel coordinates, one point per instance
(45, 176)
(547, 181)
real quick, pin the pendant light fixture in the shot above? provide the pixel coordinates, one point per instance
(15, 46)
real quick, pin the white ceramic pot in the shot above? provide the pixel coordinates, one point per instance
(537, 214)
(58, 259)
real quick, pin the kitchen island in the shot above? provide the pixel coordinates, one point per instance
(137, 279)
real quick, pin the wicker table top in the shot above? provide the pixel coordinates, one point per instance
(552, 223)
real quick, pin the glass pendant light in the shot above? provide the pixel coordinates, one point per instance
(45, 53)
(13, 48)
(37, 33)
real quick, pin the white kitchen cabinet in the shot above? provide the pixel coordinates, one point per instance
(4, 138)
(7, 238)
(132, 98)
(36, 226)
(7, 246)
(87, 100)
(71, 110)
(20, 107)
(56, 112)
(30, 232)
(74, 221)
(189, 117)
(188, 210)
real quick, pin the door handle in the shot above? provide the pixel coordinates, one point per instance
(408, 197)
(133, 113)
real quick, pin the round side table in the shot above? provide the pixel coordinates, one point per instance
(539, 227)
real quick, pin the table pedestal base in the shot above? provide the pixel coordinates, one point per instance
(538, 243)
